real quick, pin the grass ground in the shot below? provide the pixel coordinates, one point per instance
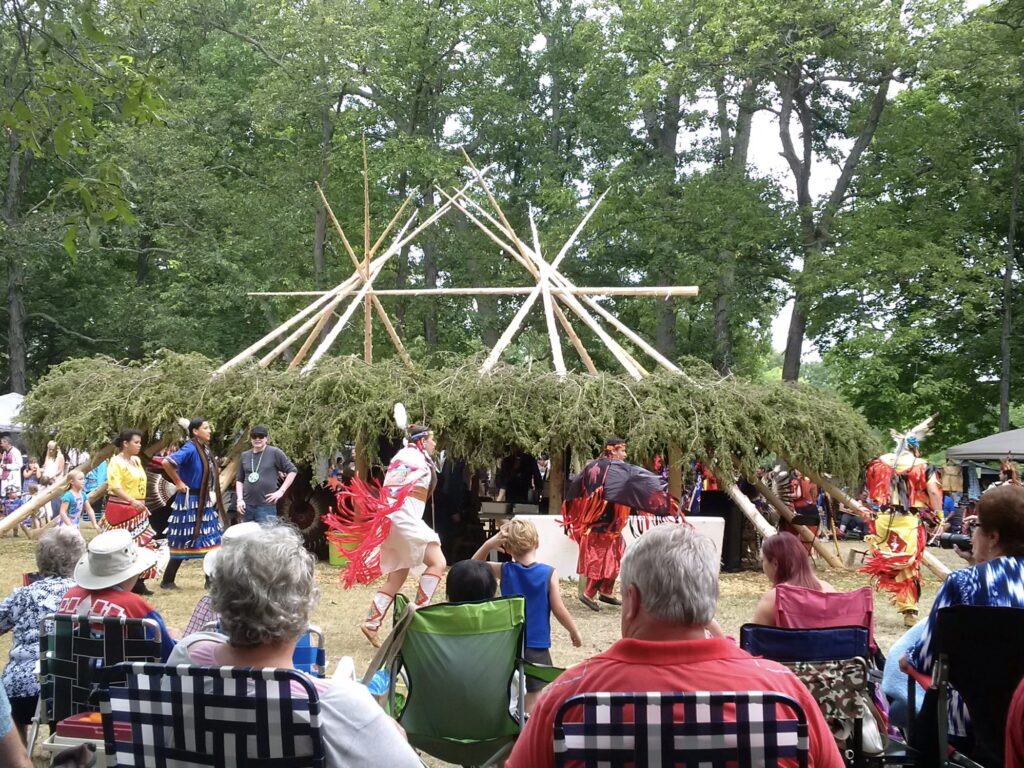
(340, 611)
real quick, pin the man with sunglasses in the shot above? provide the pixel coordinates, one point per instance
(259, 472)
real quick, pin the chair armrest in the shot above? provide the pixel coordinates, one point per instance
(542, 672)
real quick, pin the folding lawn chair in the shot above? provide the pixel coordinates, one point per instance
(72, 652)
(977, 653)
(692, 730)
(457, 661)
(832, 663)
(310, 654)
(802, 608)
(190, 716)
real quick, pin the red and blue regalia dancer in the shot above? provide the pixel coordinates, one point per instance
(903, 488)
(596, 509)
(382, 531)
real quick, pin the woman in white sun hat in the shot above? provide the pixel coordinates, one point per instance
(104, 579)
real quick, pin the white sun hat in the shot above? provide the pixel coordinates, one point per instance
(234, 533)
(112, 557)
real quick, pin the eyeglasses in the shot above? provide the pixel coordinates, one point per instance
(258, 437)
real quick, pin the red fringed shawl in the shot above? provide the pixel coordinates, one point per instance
(361, 525)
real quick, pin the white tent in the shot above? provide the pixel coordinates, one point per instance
(10, 407)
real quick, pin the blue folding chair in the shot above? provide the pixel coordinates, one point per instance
(681, 729)
(196, 717)
(310, 654)
(833, 664)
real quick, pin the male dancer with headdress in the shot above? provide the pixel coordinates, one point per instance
(388, 530)
(902, 486)
(597, 524)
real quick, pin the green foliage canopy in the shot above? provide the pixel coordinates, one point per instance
(477, 417)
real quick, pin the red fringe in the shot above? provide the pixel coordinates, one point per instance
(360, 527)
(582, 514)
(897, 574)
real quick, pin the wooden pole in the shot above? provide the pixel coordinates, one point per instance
(805, 533)
(675, 471)
(931, 562)
(581, 350)
(556, 481)
(515, 290)
(367, 302)
(400, 241)
(363, 270)
(549, 313)
(56, 490)
(749, 510)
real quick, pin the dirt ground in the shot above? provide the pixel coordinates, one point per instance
(340, 611)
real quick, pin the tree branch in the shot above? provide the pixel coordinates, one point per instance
(56, 324)
(861, 144)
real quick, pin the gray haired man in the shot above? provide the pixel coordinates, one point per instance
(669, 596)
(258, 486)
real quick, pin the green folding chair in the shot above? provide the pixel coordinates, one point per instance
(456, 662)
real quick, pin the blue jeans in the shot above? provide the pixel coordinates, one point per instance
(260, 513)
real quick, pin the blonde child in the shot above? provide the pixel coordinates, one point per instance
(538, 584)
(75, 501)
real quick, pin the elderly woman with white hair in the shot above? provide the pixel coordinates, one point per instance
(264, 589)
(57, 552)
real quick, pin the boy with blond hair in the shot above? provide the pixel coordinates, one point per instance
(537, 583)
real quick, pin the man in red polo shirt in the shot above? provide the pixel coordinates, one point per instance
(669, 595)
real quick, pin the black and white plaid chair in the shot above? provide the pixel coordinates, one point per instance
(681, 729)
(190, 716)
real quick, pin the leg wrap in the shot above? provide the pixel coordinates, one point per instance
(378, 609)
(428, 585)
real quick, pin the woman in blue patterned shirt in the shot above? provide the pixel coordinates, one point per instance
(996, 579)
(57, 552)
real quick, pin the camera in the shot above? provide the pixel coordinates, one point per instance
(961, 541)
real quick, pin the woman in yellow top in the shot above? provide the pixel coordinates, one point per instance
(126, 497)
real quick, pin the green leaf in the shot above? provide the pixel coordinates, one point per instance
(69, 241)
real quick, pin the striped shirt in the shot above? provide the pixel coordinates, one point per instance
(998, 583)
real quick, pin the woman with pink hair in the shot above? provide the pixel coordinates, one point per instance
(785, 561)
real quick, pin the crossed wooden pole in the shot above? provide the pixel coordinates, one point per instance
(555, 291)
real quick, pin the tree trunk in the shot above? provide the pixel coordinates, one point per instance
(665, 328)
(1011, 257)
(430, 269)
(142, 258)
(320, 229)
(721, 354)
(16, 351)
(794, 341)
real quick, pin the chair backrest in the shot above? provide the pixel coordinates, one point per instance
(980, 647)
(310, 654)
(802, 608)
(681, 729)
(205, 716)
(74, 649)
(790, 645)
(458, 660)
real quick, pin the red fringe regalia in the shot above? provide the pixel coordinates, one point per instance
(361, 525)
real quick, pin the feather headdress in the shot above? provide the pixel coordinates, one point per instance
(913, 435)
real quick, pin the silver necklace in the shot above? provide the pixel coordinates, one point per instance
(254, 475)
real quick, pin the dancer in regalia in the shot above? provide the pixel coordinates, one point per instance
(383, 529)
(596, 510)
(195, 525)
(902, 486)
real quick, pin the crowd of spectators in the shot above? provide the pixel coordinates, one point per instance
(262, 591)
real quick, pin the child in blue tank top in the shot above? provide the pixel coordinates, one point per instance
(537, 583)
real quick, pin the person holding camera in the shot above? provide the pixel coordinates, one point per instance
(996, 579)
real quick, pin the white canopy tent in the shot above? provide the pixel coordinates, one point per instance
(10, 407)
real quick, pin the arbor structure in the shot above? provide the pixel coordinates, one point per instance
(554, 289)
